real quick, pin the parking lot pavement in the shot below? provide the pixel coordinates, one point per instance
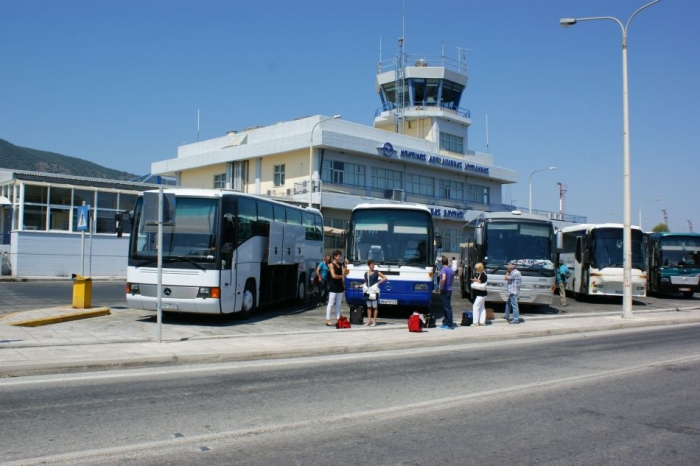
(131, 325)
(127, 337)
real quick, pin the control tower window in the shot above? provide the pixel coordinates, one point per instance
(431, 91)
(451, 94)
(389, 94)
(418, 86)
(451, 143)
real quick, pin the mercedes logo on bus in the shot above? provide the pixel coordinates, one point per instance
(167, 291)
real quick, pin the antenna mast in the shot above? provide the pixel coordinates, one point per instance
(562, 197)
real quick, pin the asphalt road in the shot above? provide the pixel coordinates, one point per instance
(38, 294)
(623, 397)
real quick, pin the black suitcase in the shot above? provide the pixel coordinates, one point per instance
(429, 321)
(467, 319)
(356, 315)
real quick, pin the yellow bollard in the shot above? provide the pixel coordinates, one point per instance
(82, 291)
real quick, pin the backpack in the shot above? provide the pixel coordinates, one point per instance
(415, 324)
(467, 319)
(343, 322)
(429, 321)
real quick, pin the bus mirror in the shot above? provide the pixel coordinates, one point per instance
(479, 235)
(119, 219)
(559, 240)
(118, 225)
(227, 248)
(438, 241)
(585, 256)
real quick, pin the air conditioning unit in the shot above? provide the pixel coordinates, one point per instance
(394, 194)
(289, 191)
(269, 193)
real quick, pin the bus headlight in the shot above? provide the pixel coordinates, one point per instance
(356, 284)
(541, 287)
(132, 288)
(497, 284)
(209, 292)
(420, 287)
(665, 279)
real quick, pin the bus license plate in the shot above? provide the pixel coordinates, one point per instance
(389, 301)
(171, 306)
(683, 289)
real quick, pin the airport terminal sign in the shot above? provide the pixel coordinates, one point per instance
(431, 159)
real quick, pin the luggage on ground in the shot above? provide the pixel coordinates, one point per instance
(489, 314)
(467, 319)
(415, 323)
(356, 315)
(429, 321)
(343, 322)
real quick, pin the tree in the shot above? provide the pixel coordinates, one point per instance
(660, 228)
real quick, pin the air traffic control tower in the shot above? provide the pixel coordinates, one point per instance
(421, 98)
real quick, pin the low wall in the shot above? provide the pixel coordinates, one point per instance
(57, 254)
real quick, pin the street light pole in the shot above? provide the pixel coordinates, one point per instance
(626, 201)
(311, 156)
(530, 183)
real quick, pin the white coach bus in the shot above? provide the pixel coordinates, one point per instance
(498, 238)
(224, 252)
(594, 255)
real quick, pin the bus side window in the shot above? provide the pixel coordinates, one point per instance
(265, 216)
(577, 254)
(247, 216)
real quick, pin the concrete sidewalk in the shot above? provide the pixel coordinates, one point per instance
(125, 338)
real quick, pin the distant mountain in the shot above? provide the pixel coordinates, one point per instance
(22, 158)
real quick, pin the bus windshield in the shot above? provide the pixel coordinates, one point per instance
(390, 236)
(529, 245)
(681, 252)
(607, 248)
(190, 240)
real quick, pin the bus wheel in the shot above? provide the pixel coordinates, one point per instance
(688, 294)
(301, 289)
(248, 308)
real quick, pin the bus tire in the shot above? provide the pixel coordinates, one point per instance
(301, 289)
(688, 294)
(249, 300)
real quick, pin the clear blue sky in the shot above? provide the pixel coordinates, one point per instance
(119, 82)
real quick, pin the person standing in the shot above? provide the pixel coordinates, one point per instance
(373, 278)
(336, 287)
(513, 278)
(562, 276)
(323, 274)
(479, 287)
(453, 265)
(446, 277)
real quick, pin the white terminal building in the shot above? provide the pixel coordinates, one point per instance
(416, 151)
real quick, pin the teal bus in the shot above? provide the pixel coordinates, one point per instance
(673, 263)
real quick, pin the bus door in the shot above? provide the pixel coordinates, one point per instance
(226, 254)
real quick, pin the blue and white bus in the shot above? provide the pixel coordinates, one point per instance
(225, 252)
(399, 238)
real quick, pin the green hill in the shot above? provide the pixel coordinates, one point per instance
(22, 158)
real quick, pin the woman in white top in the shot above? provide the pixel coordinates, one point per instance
(479, 287)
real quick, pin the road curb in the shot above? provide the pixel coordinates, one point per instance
(38, 322)
(414, 341)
